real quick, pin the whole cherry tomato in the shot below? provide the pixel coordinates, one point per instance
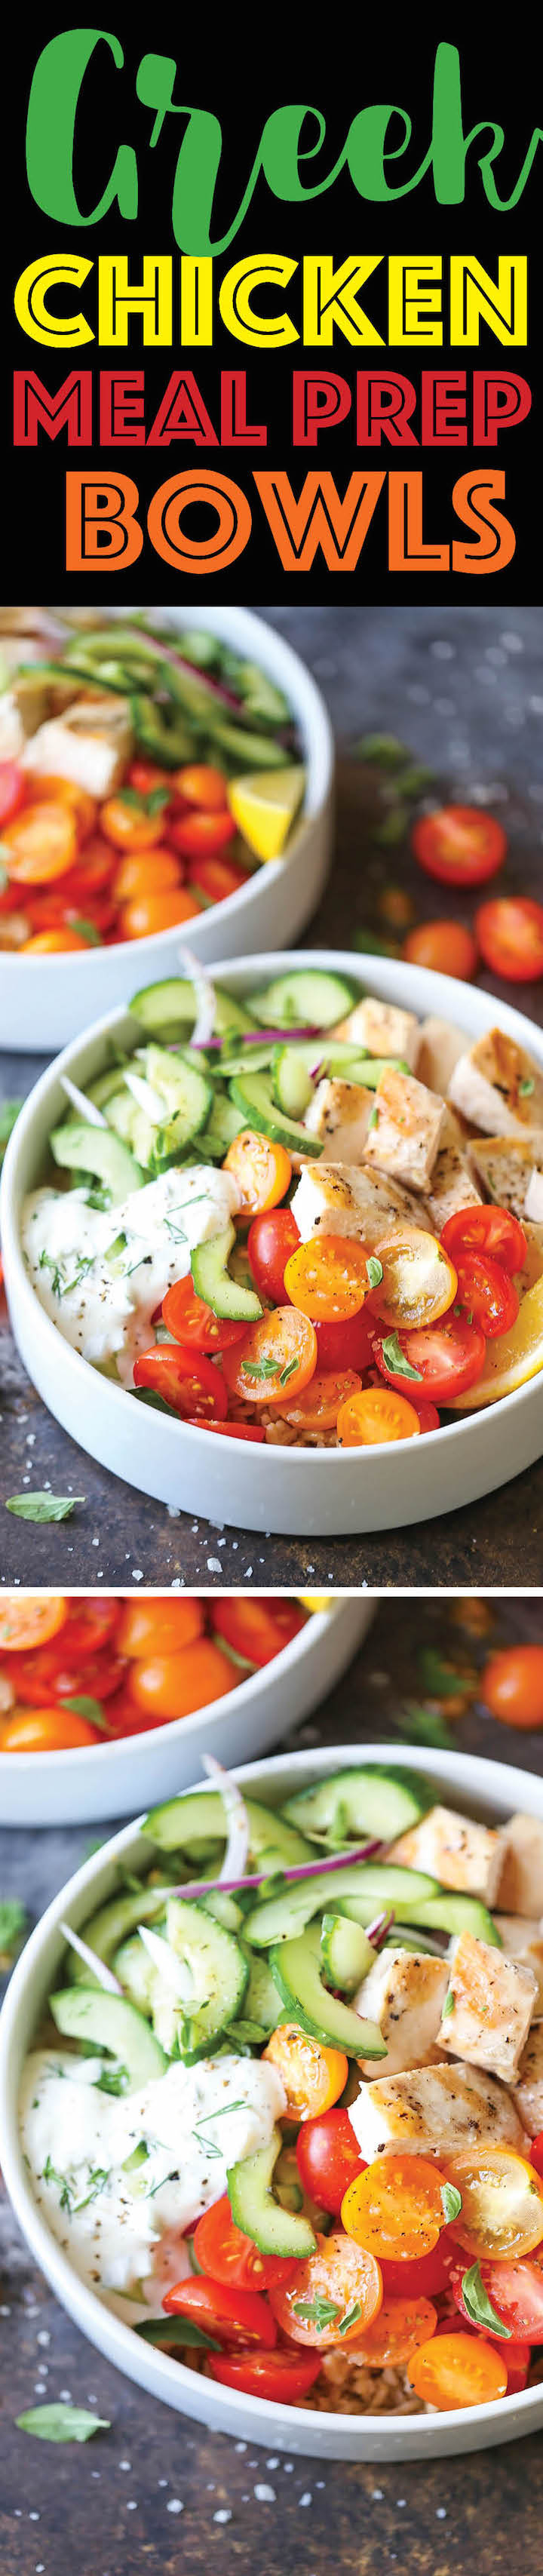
(256, 1629)
(328, 2158)
(445, 946)
(459, 845)
(512, 1688)
(510, 934)
(271, 1239)
(490, 1230)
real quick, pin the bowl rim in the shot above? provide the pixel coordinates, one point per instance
(472, 1775)
(415, 984)
(314, 724)
(75, 1756)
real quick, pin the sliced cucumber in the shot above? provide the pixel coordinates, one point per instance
(212, 1280)
(292, 1083)
(297, 1968)
(113, 2025)
(224, 1910)
(261, 2001)
(113, 1923)
(250, 750)
(347, 1954)
(253, 1059)
(181, 1084)
(367, 1884)
(224, 1123)
(308, 996)
(134, 1125)
(360, 1801)
(192, 1823)
(169, 1009)
(254, 2208)
(253, 1095)
(408, 1936)
(131, 1963)
(218, 1972)
(448, 1912)
(96, 1149)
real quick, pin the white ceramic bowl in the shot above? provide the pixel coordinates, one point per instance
(44, 1001)
(489, 1789)
(311, 1492)
(104, 1780)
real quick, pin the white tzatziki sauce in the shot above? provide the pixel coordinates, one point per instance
(102, 1293)
(121, 2223)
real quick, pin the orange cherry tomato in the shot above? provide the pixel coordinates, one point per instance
(313, 2076)
(344, 2275)
(184, 1378)
(161, 1626)
(139, 920)
(200, 834)
(502, 2202)
(13, 790)
(200, 784)
(278, 1351)
(458, 2370)
(48, 943)
(41, 843)
(401, 2325)
(130, 827)
(173, 1685)
(263, 1171)
(445, 946)
(93, 870)
(65, 791)
(512, 1686)
(143, 875)
(418, 1281)
(192, 1322)
(257, 1629)
(327, 1278)
(318, 1407)
(217, 877)
(395, 2208)
(376, 1415)
(28, 1619)
(46, 1730)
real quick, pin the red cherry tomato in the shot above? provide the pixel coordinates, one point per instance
(193, 1323)
(230, 1430)
(123, 1718)
(459, 845)
(257, 1629)
(237, 2316)
(187, 1381)
(271, 1239)
(348, 1344)
(512, 1688)
(448, 1357)
(276, 2376)
(488, 1293)
(225, 2254)
(67, 1675)
(201, 833)
(216, 877)
(328, 2158)
(516, 2292)
(536, 2149)
(510, 933)
(491, 1230)
(12, 789)
(145, 776)
(429, 2273)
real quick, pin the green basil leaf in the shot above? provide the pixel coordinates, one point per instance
(374, 1270)
(13, 1922)
(448, 2006)
(62, 2423)
(478, 2306)
(395, 1359)
(43, 1507)
(451, 2202)
(89, 1708)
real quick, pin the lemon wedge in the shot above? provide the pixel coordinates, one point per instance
(511, 1358)
(316, 1601)
(264, 803)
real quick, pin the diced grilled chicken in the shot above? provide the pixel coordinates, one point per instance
(505, 1164)
(404, 1993)
(337, 1198)
(520, 1885)
(522, 1938)
(532, 1267)
(498, 1086)
(381, 1027)
(488, 2007)
(529, 2089)
(439, 1047)
(340, 1112)
(455, 1850)
(452, 1184)
(533, 1204)
(90, 744)
(432, 2111)
(406, 1129)
(12, 732)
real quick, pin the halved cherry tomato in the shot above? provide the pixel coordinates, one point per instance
(459, 845)
(510, 934)
(145, 776)
(150, 912)
(46, 1730)
(122, 1718)
(141, 875)
(282, 2378)
(489, 1230)
(312, 2075)
(262, 1171)
(445, 946)
(515, 2291)
(28, 1619)
(347, 1344)
(40, 844)
(488, 1293)
(458, 2370)
(173, 1685)
(65, 791)
(374, 1415)
(395, 2207)
(13, 788)
(502, 2201)
(418, 1282)
(512, 1688)
(257, 1629)
(225, 2254)
(131, 826)
(318, 1407)
(328, 2158)
(236, 2316)
(536, 2149)
(278, 1351)
(217, 877)
(428, 1415)
(200, 834)
(92, 872)
(53, 943)
(193, 1323)
(430, 2273)
(230, 1430)
(189, 1383)
(340, 2273)
(446, 1358)
(327, 1278)
(90, 1623)
(401, 2325)
(163, 1626)
(200, 784)
(270, 1241)
(59, 1672)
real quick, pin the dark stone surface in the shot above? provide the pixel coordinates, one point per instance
(465, 689)
(452, 2518)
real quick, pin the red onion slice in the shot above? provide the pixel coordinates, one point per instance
(313, 1869)
(205, 998)
(376, 1932)
(91, 1960)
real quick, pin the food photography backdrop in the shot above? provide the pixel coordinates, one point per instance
(428, 706)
